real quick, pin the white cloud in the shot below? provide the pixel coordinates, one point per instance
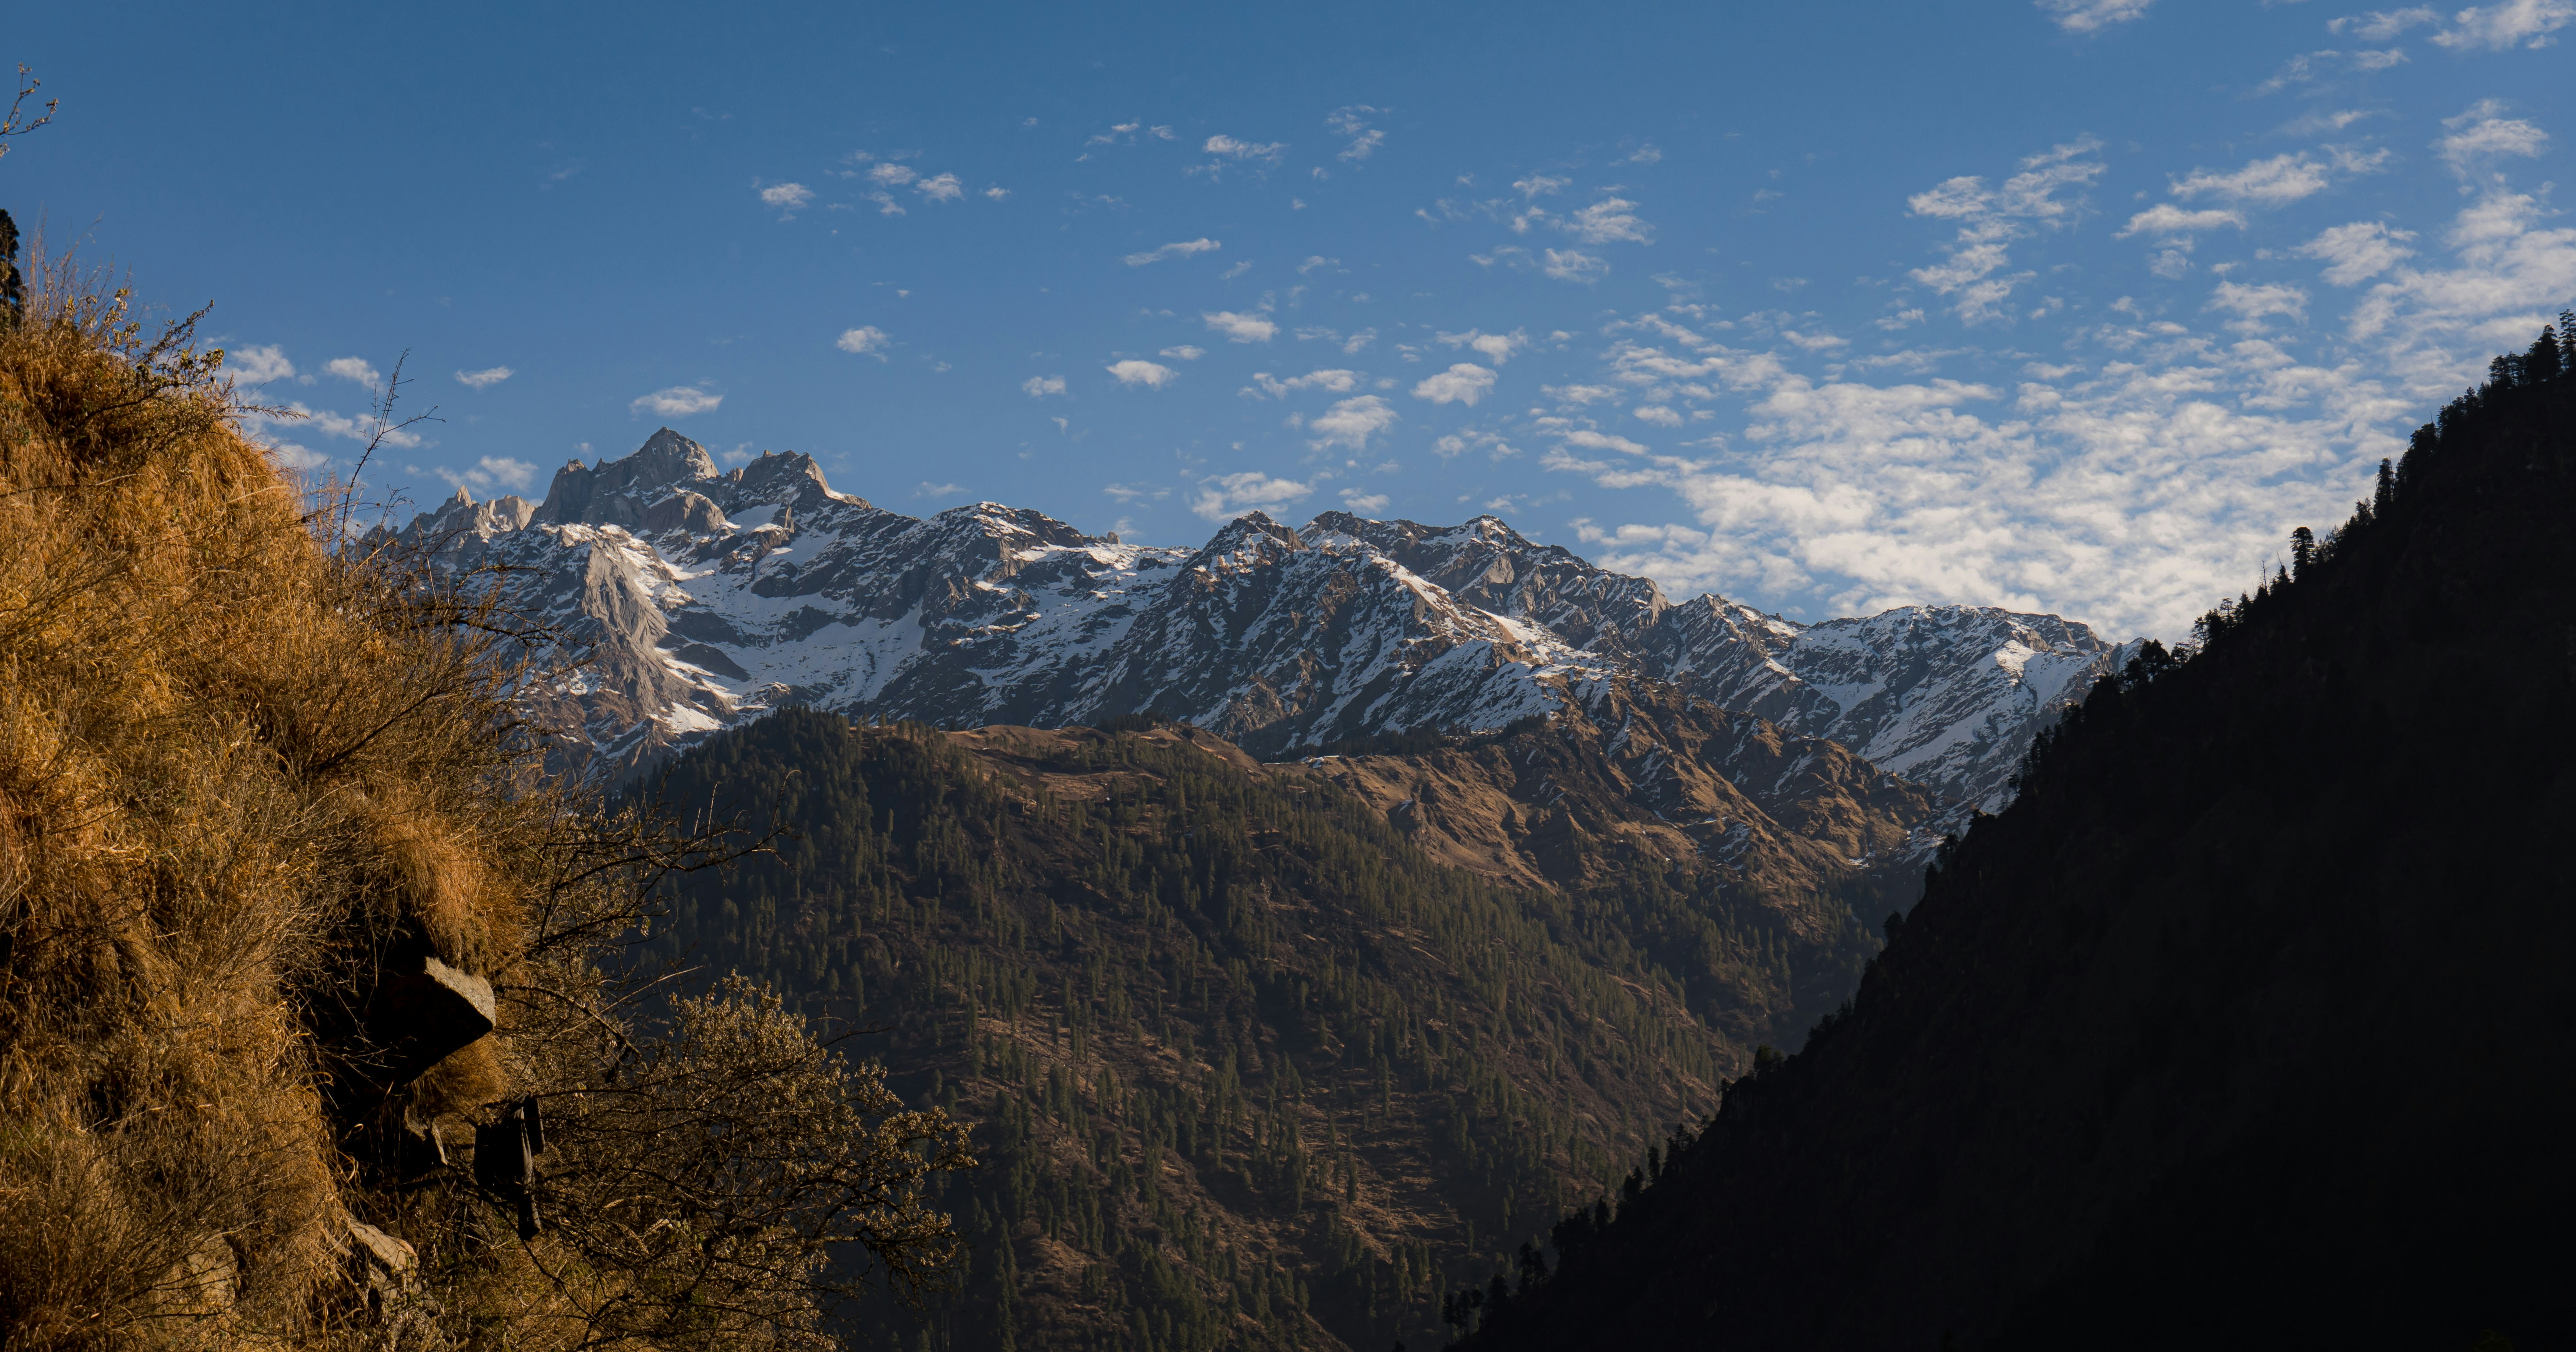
(1359, 341)
(892, 175)
(2250, 304)
(1540, 185)
(1496, 347)
(2090, 16)
(353, 368)
(1463, 383)
(489, 473)
(944, 188)
(2278, 181)
(1644, 154)
(1574, 265)
(2489, 139)
(2383, 24)
(1314, 261)
(2357, 252)
(927, 489)
(2436, 326)
(1185, 352)
(485, 378)
(1177, 249)
(1608, 221)
(1350, 423)
(1228, 496)
(1039, 387)
(1267, 152)
(1241, 328)
(1151, 375)
(2513, 23)
(867, 338)
(1335, 381)
(258, 365)
(2168, 223)
(679, 401)
(1364, 140)
(1364, 503)
(2309, 66)
(786, 197)
(1991, 219)
(1658, 414)
(997, 193)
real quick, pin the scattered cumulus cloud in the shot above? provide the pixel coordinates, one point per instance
(1177, 249)
(2381, 25)
(353, 369)
(866, 338)
(1241, 328)
(2515, 23)
(258, 365)
(2252, 304)
(1463, 383)
(787, 197)
(1227, 147)
(1496, 347)
(2355, 253)
(1364, 140)
(1039, 387)
(1184, 352)
(1336, 381)
(2092, 16)
(1607, 221)
(485, 378)
(1540, 185)
(490, 472)
(1151, 375)
(2490, 138)
(1574, 265)
(679, 401)
(1231, 495)
(2046, 194)
(941, 188)
(1351, 422)
(2275, 182)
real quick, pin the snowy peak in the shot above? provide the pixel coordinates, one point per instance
(1487, 564)
(710, 596)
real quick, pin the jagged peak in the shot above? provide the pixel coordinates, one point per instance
(1249, 538)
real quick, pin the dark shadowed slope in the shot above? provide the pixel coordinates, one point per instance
(2247, 1024)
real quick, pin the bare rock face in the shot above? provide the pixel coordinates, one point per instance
(705, 597)
(423, 1011)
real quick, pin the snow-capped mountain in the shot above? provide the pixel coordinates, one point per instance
(709, 596)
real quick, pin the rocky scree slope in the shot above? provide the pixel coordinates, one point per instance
(708, 597)
(2247, 1023)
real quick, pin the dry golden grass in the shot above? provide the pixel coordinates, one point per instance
(236, 768)
(225, 759)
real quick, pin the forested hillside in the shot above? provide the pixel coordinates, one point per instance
(2246, 1024)
(1246, 1067)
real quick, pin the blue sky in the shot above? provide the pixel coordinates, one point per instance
(2075, 306)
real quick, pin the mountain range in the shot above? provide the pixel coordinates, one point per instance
(706, 597)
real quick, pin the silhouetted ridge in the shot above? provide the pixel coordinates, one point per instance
(2246, 1023)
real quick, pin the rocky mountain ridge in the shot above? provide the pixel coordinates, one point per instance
(711, 596)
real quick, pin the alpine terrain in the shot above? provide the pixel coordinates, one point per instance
(708, 597)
